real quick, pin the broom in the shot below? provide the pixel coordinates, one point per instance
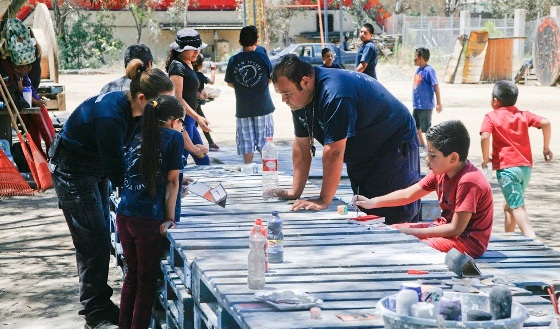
(36, 161)
(11, 182)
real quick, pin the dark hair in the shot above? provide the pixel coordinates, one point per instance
(199, 62)
(139, 51)
(505, 92)
(450, 136)
(173, 54)
(325, 51)
(156, 113)
(150, 82)
(293, 68)
(369, 27)
(248, 36)
(423, 52)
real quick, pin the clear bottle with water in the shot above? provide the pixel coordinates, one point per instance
(256, 259)
(259, 223)
(275, 239)
(270, 169)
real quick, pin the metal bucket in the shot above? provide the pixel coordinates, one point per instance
(468, 302)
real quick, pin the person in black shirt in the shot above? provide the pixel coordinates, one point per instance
(87, 154)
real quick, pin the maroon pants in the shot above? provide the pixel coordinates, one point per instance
(141, 243)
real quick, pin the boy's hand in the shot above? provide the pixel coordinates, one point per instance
(362, 201)
(485, 163)
(547, 155)
(439, 108)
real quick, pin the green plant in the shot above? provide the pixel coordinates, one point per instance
(86, 44)
(492, 30)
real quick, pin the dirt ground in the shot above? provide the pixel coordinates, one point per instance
(38, 277)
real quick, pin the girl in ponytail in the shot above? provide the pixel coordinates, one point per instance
(154, 161)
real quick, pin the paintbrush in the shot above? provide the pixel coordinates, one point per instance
(356, 207)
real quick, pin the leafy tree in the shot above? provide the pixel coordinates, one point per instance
(501, 8)
(141, 11)
(86, 43)
(277, 18)
(177, 13)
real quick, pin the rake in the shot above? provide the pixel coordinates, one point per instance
(35, 160)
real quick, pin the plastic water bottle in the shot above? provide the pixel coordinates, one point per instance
(258, 222)
(270, 168)
(27, 95)
(256, 260)
(275, 239)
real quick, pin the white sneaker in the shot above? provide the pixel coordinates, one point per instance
(422, 151)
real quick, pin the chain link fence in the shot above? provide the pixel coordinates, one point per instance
(439, 34)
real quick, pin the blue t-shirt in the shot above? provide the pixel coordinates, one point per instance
(423, 89)
(136, 200)
(333, 66)
(95, 135)
(250, 73)
(368, 53)
(190, 81)
(353, 105)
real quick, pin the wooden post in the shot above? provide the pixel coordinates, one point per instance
(519, 31)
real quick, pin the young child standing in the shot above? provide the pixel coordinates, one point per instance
(202, 97)
(149, 205)
(328, 59)
(511, 151)
(464, 195)
(423, 90)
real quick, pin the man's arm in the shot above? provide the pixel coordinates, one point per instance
(455, 228)
(230, 84)
(333, 158)
(361, 67)
(546, 131)
(301, 158)
(393, 199)
(485, 145)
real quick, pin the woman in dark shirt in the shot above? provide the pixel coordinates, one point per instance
(179, 66)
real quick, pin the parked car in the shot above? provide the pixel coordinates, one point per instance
(311, 53)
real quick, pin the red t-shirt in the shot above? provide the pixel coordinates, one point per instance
(510, 136)
(468, 191)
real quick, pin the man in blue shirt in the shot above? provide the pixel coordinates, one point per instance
(366, 59)
(248, 73)
(360, 123)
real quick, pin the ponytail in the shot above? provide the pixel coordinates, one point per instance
(148, 81)
(156, 114)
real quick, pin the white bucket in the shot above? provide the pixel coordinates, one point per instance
(468, 302)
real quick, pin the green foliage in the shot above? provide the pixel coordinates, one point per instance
(177, 13)
(86, 44)
(493, 32)
(502, 8)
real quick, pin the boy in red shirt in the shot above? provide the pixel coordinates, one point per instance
(511, 151)
(464, 195)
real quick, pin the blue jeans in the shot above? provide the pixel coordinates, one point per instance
(84, 200)
(193, 133)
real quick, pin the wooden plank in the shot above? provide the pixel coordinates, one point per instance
(474, 56)
(453, 63)
(498, 63)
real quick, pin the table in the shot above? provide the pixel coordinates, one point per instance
(349, 266)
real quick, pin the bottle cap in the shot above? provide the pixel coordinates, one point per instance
(275, 213)
(258, 221)
(26, 89)
(268, 139)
